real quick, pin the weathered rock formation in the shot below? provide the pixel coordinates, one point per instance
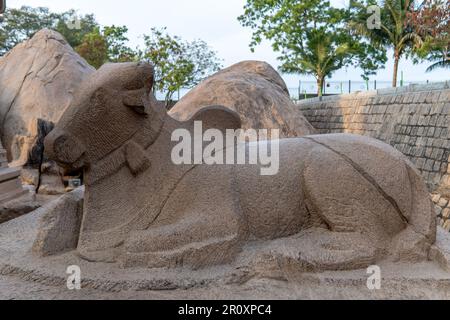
(37, 81)
(255, 91)
(337, 202)
(40, 172)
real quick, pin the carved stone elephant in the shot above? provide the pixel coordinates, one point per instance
(341, 201)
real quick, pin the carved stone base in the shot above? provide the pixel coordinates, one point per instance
(10, 184)
(27, 275)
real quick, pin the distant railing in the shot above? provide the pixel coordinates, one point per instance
(308, 89)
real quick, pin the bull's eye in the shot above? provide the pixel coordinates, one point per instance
(135, 100)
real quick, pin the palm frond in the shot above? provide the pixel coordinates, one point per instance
(444, 64)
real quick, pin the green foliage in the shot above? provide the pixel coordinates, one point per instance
(311, 37)
(116, 40)
(106, 44)
(94, 43)
(395, 32)
(178, 64)
(74, 36)
(94, 48)
(431, 20)
(21, 24)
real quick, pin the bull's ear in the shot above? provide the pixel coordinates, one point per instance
(137, 100)
(137, 160)
(218, 117)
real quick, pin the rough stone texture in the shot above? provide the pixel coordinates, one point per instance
(255, 91)
(47, 181)
(338, 202)
(442, 207)
(23, 204)
(30, 177)
(440, 252)
(36, 153)
(10, 184)
(37, 81)
(17, 207)
(60, 225)
(51, 179)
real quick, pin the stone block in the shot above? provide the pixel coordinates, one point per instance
(443, 203)
(429, 165)
(446, 213)
(60, 226)
(435, 197)
(446, 225)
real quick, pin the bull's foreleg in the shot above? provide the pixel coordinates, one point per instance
(197, 227)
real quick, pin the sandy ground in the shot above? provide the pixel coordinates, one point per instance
(12, 288)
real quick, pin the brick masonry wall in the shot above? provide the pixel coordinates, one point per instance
(414, 119)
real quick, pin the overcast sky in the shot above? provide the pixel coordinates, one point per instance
(214, 21)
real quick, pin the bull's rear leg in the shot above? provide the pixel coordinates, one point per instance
(319, 249)
(360, 212)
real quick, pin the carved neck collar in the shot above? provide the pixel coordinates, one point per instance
(142, 140)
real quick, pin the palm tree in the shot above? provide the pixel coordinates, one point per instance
(323, 54)
(394, 31)
(431, 19)
(440, 61)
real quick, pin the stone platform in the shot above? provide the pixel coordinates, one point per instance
(10, 184)
(25, 276)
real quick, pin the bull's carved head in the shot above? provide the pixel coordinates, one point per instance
(110, 108)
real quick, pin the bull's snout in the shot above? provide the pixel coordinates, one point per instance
(65, 149)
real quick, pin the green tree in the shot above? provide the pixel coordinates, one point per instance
(94, 43)
(310, 36)
(116, 40)
(392, 31)
(21, 24)
(178, 64)
(106, 44)
(431, 20)
(75, 34)
(94, 48)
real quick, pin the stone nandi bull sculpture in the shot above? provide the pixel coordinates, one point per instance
(339, 201)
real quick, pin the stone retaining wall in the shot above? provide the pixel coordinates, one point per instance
(414, 119)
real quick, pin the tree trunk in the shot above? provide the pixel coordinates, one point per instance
(319, 86)
(396, 62)
(168, 100)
